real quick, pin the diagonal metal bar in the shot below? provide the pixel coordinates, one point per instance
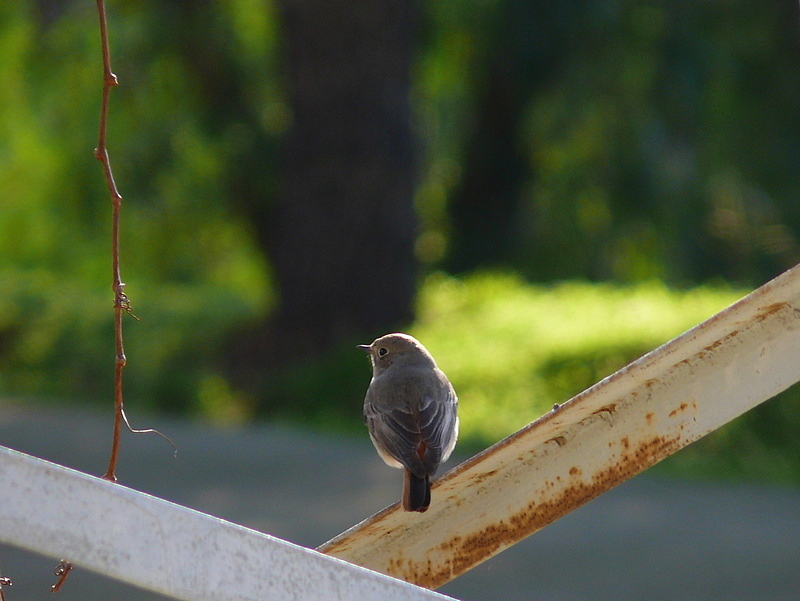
(163, 547)
(619, 427)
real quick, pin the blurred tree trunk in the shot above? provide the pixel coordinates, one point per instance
(342, 232)
(524, 50)
(485, 207)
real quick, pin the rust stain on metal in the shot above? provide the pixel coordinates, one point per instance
(609, 409)
(574, 471)
(683, 407)
(466, 550)
(680, 409)
(770, 310)
(559, 440)
(479, 478)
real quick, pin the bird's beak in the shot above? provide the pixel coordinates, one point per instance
(364, 347)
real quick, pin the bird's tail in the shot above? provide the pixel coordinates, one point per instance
(416, 492)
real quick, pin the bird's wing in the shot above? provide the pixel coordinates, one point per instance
(396, 433)
(438, 425)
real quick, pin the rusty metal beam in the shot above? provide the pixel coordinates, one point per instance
(619, 427)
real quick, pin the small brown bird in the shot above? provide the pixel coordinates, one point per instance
(411, 413)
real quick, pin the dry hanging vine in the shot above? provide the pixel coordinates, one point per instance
(62, 571)
(122, 304)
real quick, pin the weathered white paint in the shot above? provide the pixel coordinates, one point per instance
(163, 547)
(646, 411)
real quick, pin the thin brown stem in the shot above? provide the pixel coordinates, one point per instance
(4, 582)
(121, 302)
(62, 571)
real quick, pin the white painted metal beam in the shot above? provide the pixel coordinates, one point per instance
(624, 424)
(163, 547)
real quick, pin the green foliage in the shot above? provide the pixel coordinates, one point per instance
(513, 350)
(171, 165)
(324, 392)
(57, 340)
(189, 258)
(662, 136)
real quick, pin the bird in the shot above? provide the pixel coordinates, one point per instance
(411, 413)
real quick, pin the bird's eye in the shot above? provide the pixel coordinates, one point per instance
(382, 351)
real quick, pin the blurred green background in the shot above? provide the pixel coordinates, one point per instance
(541, 192)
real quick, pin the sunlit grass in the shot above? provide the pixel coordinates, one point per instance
(513, 349)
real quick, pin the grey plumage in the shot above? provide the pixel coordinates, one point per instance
(411, 412)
